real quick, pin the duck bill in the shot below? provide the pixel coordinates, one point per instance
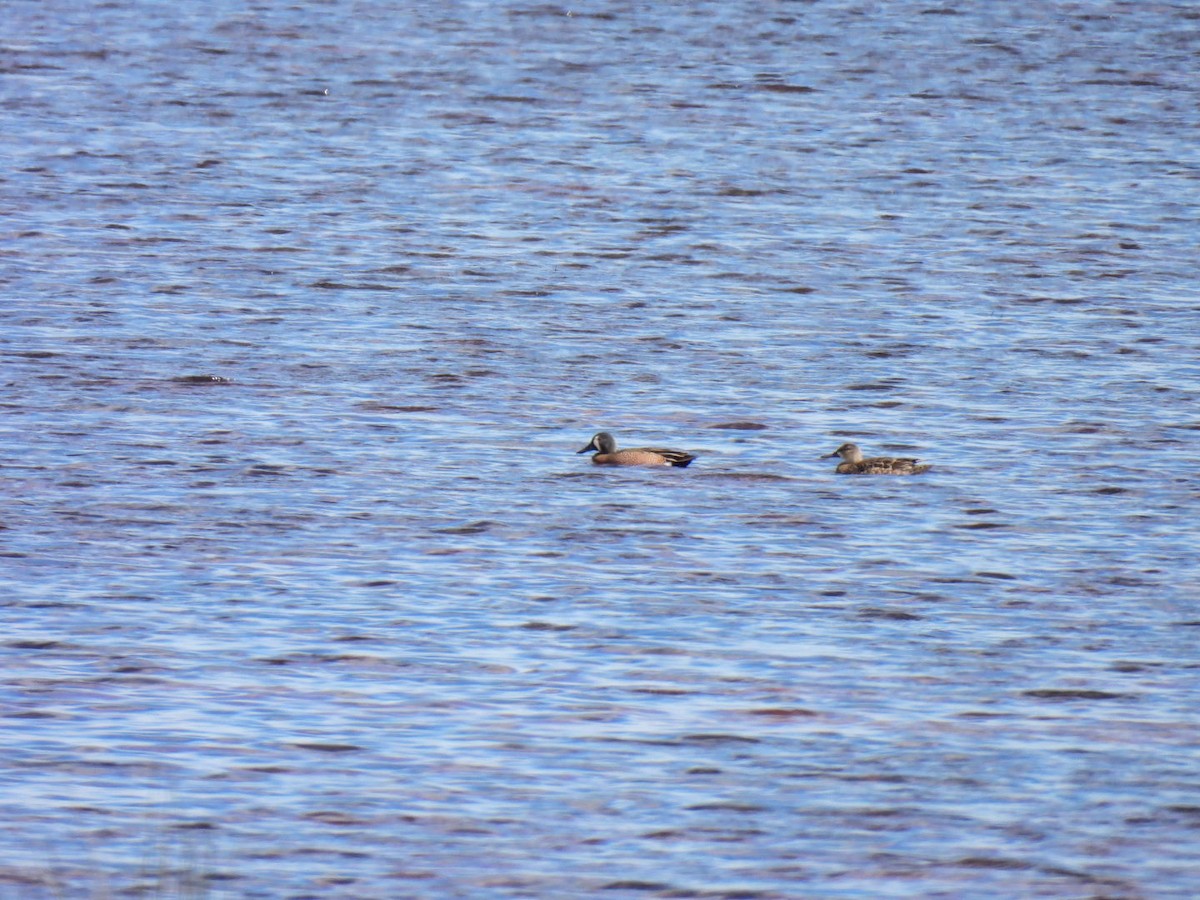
(591, 446)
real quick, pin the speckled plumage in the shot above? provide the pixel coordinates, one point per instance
(607, 454)
(853, 463)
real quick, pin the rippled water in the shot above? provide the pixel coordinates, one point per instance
(350, 618)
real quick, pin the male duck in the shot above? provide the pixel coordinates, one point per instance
(853, 463)
(607, 454)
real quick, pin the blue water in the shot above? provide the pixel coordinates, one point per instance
(352, 619)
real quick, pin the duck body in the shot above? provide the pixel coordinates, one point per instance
(607, 454)
(854, 463)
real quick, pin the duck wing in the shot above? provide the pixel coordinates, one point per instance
(674, 457)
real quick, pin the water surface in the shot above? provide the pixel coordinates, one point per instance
(306, 310)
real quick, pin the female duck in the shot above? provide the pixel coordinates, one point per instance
(853, 463)
(607, 454)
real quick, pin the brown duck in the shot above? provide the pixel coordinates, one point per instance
(853, 463)
(607, 454)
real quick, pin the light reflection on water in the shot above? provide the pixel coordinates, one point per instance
(358, 621)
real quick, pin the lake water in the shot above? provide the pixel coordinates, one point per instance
(350, 618)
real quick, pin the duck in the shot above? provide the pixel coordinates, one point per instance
(607, 454)
(853, 463)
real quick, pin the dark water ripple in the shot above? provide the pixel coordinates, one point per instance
(306, 310)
